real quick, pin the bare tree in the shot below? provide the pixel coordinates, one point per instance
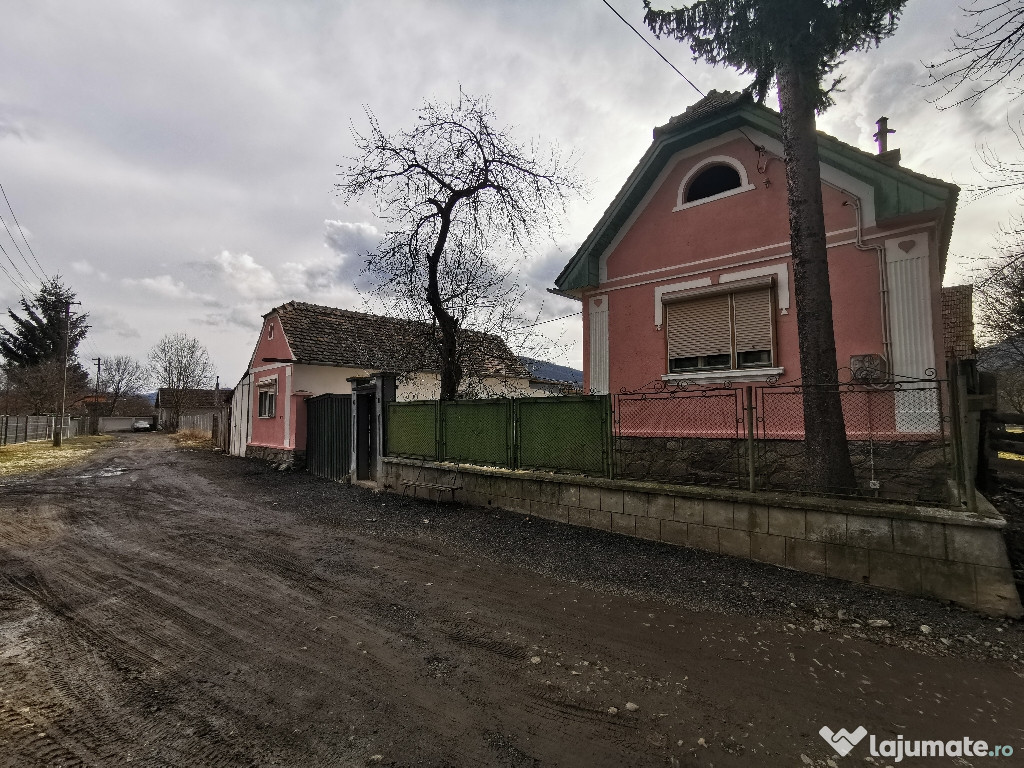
(989, 52)
(1000, 297)
(456, 193)
(122, 377)
(40, 388)
(179, 365)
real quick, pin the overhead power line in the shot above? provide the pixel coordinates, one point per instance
(20, 288)
(545, 322)
(21, 284)
(651, 46)
(41, 275)
(760, 149)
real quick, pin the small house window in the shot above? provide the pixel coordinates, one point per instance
(728, 331)
(270, 331)
(712, 181)
(267, 402)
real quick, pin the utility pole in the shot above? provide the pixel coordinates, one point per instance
(99, 367)
(58, 431)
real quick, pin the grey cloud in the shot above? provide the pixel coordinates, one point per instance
(351, 238)
(145, 141)
(113, 323)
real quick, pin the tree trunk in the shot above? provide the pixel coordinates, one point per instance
(827, 455)
(451, 371)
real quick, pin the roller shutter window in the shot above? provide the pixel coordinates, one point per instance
(721, 332)
(699, 334)
(752, 328)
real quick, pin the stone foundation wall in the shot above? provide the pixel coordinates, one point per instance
(941, 553)
(281, 457)
(911, 471)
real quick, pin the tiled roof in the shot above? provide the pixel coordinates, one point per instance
(331, 336)
(198, 398)
(958, 322)
(714, 101)
(542, 370)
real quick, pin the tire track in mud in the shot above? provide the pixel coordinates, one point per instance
(196, 614)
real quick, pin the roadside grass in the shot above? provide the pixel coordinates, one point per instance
(40, 456)
(194, 439)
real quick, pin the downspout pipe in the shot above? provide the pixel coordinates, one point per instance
(883, 276)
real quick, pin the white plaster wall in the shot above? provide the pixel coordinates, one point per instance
(324, 379)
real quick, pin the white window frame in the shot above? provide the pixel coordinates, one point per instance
(745, 185)
(267, 406)
(266, 398)
(719, 375)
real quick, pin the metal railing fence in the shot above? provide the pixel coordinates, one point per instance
(903, 437)
(751, 436)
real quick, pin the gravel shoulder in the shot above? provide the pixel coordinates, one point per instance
(180, 607)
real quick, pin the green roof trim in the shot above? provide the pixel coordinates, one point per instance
(898, 191)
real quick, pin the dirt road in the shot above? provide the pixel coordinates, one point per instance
(174, 608)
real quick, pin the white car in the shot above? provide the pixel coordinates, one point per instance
(142, 425)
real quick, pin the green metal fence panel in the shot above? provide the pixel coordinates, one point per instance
(477, 432)
(412, 430)
(329, 436)
(564, 434)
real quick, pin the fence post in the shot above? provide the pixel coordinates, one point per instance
(965, 455)
(748, 416)
(439, 417)
(609, 436)
(958, 424)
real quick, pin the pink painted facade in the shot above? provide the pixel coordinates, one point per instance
(661, 249)
(304, 350)
(275, 431)
(740, 233)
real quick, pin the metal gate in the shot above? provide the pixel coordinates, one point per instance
(329, 436)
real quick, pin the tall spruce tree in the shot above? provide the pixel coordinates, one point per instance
(33, 350)
(38, 336)
(797, 45)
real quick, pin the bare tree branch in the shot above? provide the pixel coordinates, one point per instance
(460, 198)
(990, 52)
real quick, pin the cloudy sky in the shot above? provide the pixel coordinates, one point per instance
(176, 160)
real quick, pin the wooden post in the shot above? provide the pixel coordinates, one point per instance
(965, 455)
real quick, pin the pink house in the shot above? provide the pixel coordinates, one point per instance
(687, 277)
(305, 350)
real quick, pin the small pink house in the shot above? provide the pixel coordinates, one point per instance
(305, 350)
(687, 277)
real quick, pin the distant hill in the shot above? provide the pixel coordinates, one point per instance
(151, 396)
(542, 369)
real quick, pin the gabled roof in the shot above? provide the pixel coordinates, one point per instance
(958, 322)
(321, 335)
(542, 370)
(198, 398)
(897, 191)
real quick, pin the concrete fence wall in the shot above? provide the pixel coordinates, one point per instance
(119, 423)
(948, 554)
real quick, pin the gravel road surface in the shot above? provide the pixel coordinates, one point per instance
(182, 608)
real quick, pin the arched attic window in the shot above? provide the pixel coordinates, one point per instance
(715, 178)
